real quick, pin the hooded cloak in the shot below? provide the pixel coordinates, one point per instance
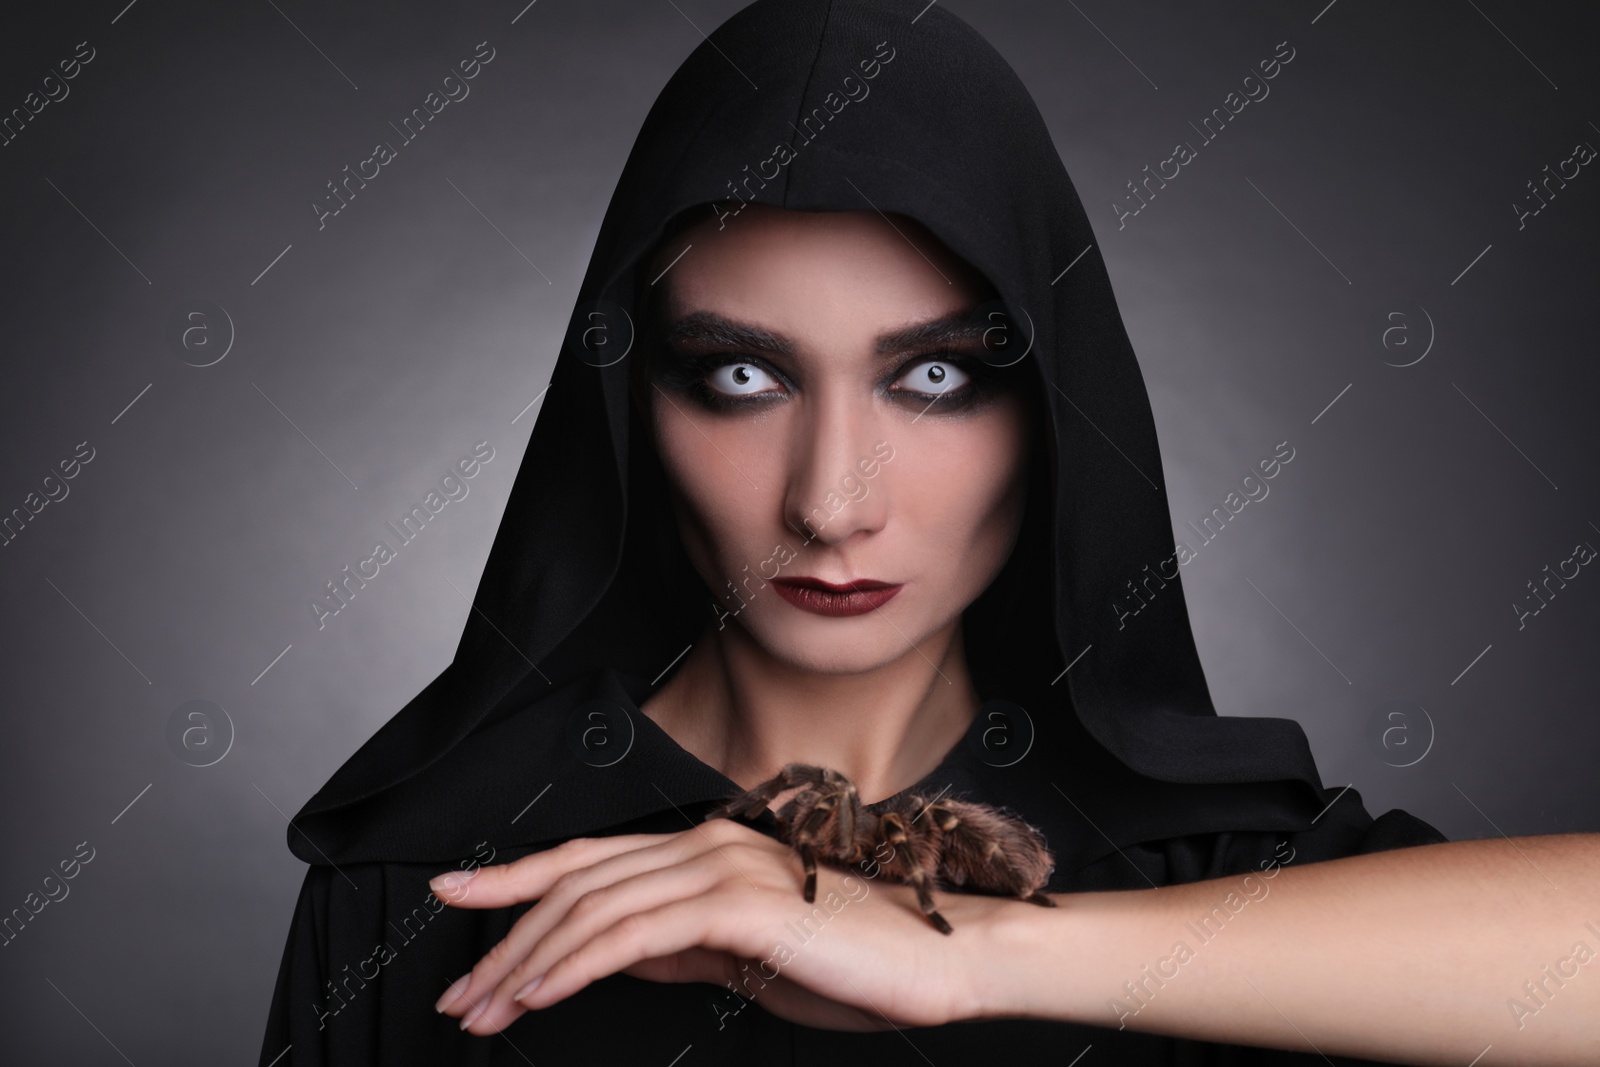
(1096, 723)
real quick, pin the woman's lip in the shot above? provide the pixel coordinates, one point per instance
(821, 598)
(854, 585)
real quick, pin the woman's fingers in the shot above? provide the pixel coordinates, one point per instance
(590, 914)
(567, 887)
(530, 877)
(575, 884)
(635, 936)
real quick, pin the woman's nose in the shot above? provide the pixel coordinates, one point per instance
(828, 497)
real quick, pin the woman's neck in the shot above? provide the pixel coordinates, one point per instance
(745, 713)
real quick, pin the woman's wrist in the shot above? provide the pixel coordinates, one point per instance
(1043, 963)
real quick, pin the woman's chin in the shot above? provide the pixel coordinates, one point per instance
(825, 645)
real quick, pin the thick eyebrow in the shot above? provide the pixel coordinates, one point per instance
(710, 328)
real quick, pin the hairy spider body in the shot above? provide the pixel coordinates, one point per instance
(932, 841)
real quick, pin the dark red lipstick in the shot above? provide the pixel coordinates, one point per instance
(825, 598)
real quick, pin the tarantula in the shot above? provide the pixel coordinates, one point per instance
(933, 841)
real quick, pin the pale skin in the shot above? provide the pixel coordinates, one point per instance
(1408, 956)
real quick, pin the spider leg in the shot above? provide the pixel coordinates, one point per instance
(848, 806)
(893, 825)
(1040, 899)
(754, 801)
(919, 881)
(917, 857)
(804, 843)
(808, 857)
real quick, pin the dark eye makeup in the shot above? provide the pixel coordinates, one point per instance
(692, 374)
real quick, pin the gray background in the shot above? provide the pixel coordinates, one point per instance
(424, 318)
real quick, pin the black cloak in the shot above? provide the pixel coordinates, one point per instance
(1096, 726)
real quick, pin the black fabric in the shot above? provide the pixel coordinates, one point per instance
(1133, 775)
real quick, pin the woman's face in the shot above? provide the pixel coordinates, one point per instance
(809, 433)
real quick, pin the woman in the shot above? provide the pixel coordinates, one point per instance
(844, 461)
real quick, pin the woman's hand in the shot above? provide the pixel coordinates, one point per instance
(720, 903)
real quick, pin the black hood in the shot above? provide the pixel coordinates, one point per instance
(827, 105)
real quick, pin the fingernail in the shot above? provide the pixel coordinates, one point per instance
(529, 988)
(467, 1019)
(452, 994)
(451, 880)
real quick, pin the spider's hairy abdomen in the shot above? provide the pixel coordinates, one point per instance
(991, 850)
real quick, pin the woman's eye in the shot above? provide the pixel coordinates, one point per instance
(935, 378)
(740, 379)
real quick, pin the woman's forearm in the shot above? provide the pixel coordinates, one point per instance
(1428, 955)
